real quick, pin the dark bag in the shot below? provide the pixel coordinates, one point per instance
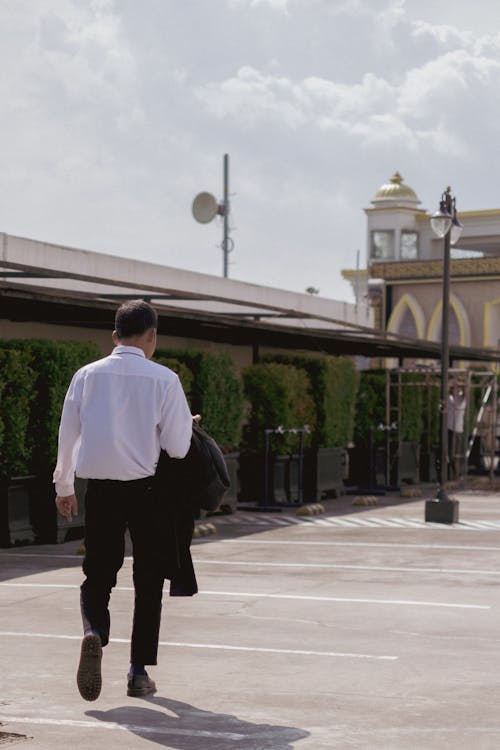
(201, 478)
(209, 480)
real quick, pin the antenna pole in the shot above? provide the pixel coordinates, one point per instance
(225, 240)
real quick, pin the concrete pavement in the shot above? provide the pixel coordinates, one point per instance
(360, 628)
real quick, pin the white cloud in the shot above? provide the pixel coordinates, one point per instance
(375, 110)
(115, 114)
(444, 34)
(275, 4)
(443, 82)
(251, 96)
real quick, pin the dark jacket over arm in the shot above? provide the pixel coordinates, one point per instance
(184, 486)
(175, 527)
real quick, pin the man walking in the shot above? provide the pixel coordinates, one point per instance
(118, 413)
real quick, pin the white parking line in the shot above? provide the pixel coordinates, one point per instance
(214, 646)
(343, 566)
(261, 595)
(387, 545)
(138, 728)
(49, 555)
(17, 585)
(340, 599)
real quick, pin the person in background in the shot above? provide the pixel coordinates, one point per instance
(456, 416)
(119, 412)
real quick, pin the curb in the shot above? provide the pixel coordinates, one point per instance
(410, 492)
(310, 510)
(204, 529)
(365, 500)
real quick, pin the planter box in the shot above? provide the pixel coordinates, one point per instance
(368, 467)
(408, 464)
(428, 466)
(43, 510)
(282, 484)
(28, 513)
(231, 497)
(324, 470)
(16, 524)
(362, 466)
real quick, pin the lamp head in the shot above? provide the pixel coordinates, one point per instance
(456, 228)
(441, 220)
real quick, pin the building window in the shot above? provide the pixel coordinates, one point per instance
(382, 247)
(409, 246)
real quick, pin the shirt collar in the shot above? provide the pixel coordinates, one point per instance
(122, 349)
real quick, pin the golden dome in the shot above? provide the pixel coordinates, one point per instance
(396, 190)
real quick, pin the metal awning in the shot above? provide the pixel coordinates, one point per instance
(83, 311)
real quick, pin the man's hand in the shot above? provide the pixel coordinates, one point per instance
(67, 506)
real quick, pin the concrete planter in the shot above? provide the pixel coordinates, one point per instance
(428, 466)
(408, 464)
(16, 519)
(233, 463)
(28, 513)
(363, 466)
(282, 480)
(324, 470)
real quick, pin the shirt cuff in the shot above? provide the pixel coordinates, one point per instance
(63, 489)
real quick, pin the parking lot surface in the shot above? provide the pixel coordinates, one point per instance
(363, 627)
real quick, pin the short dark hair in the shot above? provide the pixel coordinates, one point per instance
(134, 318)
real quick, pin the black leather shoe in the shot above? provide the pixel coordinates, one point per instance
(140, 684)
(88, 677)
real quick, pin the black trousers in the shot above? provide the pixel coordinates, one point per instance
(110, 507)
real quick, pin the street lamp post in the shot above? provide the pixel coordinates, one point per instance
(445, 225)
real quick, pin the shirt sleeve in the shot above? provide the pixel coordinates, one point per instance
(69, 441)
(176, 424)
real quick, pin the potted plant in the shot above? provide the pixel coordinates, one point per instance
(280, 406)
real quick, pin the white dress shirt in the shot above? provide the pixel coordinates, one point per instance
(118, 412)
(456, 412)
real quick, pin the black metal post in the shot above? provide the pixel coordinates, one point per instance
(443, 509)
(445, 357)
(266, 469)
(225, 241)
(301, 466)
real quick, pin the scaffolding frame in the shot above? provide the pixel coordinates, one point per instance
(481, 436)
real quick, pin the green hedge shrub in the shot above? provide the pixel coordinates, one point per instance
(17, 380)
(54, 363)
(430, 413)
(185, 375)
(216, 393)
(334, 385)
(279, 395)
(412, 403)
(370, 407)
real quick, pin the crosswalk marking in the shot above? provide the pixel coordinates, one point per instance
(354, 521)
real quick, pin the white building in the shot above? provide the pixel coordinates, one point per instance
(404, 270)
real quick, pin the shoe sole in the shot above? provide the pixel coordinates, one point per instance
(88, 677)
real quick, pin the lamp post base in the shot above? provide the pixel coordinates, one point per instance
(441, 511)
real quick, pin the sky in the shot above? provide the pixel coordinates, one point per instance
(115, 114)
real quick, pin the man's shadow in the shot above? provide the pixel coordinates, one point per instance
(183, 727)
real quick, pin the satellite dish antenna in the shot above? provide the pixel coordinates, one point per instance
(205, 208)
